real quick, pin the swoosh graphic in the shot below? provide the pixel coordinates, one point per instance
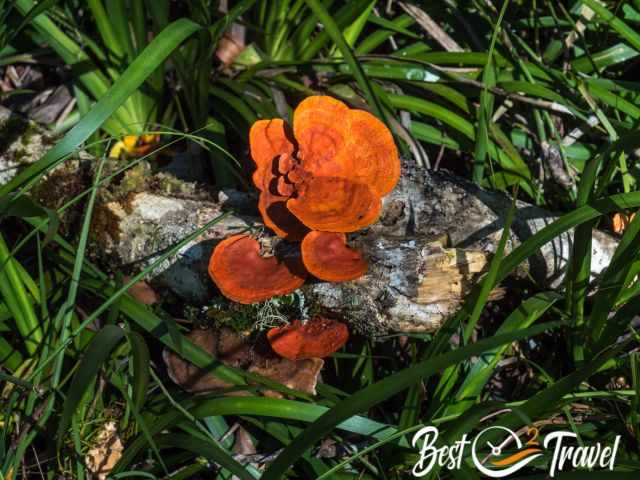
(515, 457)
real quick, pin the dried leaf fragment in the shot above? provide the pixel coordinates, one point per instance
(106, 452)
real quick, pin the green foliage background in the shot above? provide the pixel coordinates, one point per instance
(532, 88)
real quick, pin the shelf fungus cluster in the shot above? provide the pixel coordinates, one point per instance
(318, 181)
(323, 179)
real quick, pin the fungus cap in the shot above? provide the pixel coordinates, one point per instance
(333, 204)
(337, 141)
(318, 338)
(327, 256)
(268, 140)
(277, 217)
(243, 275)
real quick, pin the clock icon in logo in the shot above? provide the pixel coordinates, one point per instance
(495, 440)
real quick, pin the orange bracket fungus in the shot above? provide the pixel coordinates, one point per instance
(317, 338)
(243, 275)
(333, 204)
(329, 175)
(327, 257)
(326, 174)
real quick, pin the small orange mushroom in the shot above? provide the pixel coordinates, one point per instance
(243, 275)
(333, 204)
(327, 257)
(317, 338)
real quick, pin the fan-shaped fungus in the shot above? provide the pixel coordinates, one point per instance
(339, 163)
(337, 141)
(267, 140)
(243, 275)
(329, 176)
(318, 338)
(327, 257)
(333, 204)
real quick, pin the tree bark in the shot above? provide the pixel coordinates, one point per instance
(415, 279)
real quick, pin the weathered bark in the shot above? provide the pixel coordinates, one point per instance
(413, 282)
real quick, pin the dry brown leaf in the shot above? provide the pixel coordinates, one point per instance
(106, 452)
(234, 349)
(187, 375)
(299, 375)
(142, 292)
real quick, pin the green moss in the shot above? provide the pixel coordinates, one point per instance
(135, 179)
(240, 318)
(12, 129)
(28, 133)
(165, 183)
(21, 156)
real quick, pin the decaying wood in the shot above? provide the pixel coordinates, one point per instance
(414, 282)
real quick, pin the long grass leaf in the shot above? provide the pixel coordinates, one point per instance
(336, 35)
(381, 390)
(150, 58)
(97, 353)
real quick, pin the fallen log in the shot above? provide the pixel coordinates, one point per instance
(435, 236)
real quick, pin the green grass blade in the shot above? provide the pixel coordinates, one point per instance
(381, 390)
(485, 109)
(96, 355)
(353, 31)
(16, 297)
(450, 376)
(258, 406)
(107, 31)
(624, 30)
(613, 282)
(397, 25)
(207, 449)
(143, 66)
(548, 398)
(336, 35)
(141, 365)
(522, 317)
